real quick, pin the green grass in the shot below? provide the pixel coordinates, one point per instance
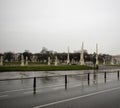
(43, 68)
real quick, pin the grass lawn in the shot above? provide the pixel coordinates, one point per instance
(44, 68)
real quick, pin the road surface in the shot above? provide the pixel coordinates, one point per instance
(101, 95)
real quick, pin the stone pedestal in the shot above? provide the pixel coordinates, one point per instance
(22, 60)
(68, 58)
(82, 56)
(56, 61)
(97, 62)
(26, 61)
(33, 59)
(1, 60)
(112, 61)
(48, 60)
(82, 62)
(104, 62)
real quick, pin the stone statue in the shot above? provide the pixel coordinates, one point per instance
(82, 55)
(68, 58)
(22, 60)
(56, 61)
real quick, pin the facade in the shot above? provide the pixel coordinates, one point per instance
(115, 60)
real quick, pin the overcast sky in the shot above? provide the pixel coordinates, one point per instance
(57, 24)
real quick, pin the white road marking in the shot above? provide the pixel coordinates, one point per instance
(37, 91)
(78, 97)
(15, 90)
(76, 85)
(28, 92)
(109, 80)
(58, 88)
(29, 89)
(3, 96)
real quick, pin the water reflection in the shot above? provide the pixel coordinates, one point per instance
(95, 77)
(47, 78)
(48, 81)
(65, 86)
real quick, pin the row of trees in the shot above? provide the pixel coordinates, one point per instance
(44, 54)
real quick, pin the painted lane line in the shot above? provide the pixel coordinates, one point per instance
(17, 90)
(77, 85)
(57, 88)
(78, 97)
(3, 96)
(29, 92)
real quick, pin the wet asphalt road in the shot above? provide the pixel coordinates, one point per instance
(52, 92)
(101, 95)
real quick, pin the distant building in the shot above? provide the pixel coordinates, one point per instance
(115, 60)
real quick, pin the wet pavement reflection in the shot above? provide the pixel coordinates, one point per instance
(50, 80)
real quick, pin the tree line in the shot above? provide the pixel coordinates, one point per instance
(62, 57)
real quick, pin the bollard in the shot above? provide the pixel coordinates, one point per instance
(65, 82)
(65, 79)
(34, 85)
(66, 86)
(88, 78)
(105, 76)
(118, 75)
